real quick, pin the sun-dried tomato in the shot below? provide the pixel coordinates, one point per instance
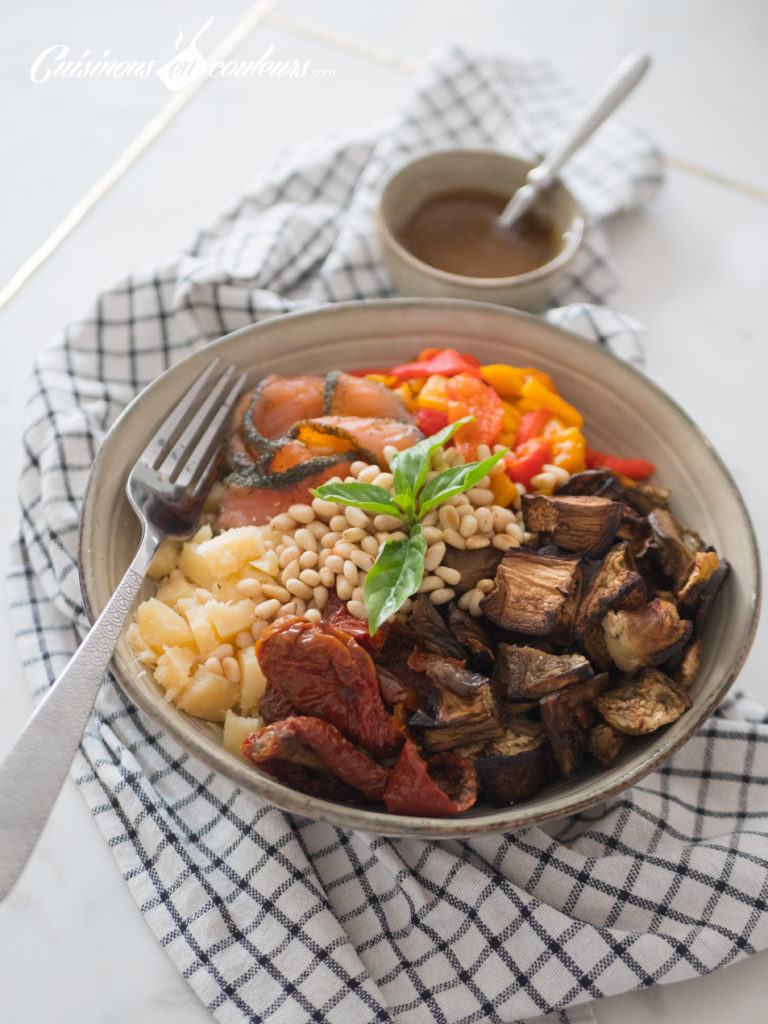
(323, 671)
(305, 746)
(273, 707)
(336, 614)
(446, 784)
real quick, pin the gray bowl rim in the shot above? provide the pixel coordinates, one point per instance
(506, 819)
(574, 240)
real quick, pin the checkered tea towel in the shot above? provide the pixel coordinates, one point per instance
(277, 919)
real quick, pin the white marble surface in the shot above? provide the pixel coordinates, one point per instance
(694, 268)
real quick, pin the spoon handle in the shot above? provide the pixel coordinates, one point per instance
(614, 91)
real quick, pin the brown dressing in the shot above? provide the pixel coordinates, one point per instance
(458, 232)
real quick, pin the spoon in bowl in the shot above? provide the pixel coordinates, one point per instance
(615, 90)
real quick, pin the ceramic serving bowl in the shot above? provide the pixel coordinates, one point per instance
(624, 412)
(485, 170)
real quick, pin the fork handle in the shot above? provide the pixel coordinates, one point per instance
(34, 770)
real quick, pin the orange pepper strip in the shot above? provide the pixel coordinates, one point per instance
(469, 396)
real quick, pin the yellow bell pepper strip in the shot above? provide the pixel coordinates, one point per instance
(543, 398)
(569, 450)
(635, 469)
(504, 491)
(508, 381)
(432, 393)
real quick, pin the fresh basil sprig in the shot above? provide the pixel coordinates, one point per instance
(399, 567)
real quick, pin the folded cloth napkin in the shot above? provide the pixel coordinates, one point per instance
(277, 919)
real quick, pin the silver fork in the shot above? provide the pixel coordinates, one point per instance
(167, 488)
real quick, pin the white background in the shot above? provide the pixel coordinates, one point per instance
(694, 269)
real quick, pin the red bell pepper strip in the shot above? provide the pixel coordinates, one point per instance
(528, 460)
(428, 353)
(429, 421)
(531, 425)
(635, 469)
(447, 362)
(447, 784)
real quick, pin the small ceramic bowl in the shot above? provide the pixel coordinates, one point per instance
(623, 412)
(487, 170)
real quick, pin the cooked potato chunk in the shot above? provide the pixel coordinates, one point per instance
(161, 626)
(253, 680)
(209, 695)
(237, 729)
(173, 670)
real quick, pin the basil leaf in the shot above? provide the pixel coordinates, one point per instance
(454, 481)
(410, 466)
(394, 576)
(369, 497)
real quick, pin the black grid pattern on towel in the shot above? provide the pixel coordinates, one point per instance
(276, 919)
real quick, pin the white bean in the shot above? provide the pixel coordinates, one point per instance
(343, 549)
(324, 509)
(287, 555)
(308, 560)
(222, 651)
(310, 577)
(258, 628)
(477, 541)
(213, 665)
(327, 577)
(243, 639)
(434, 555)
(484, 520)
(449, 517)
(384, 480)
(362, 560)
(357, 467)
(328, 540)
(432, 534)
(356, 516)
(231, 669)
(344, 588)
(338, 522)
(320, 595)
(385, 522)
(358, 594)
(454, 538)
(275, 591)
(504, 542)
(298, 589)
(335, 563)
(302, 513)
(306, 540)
(370, 545)
(313, 614)
(430, 583)
(480, 496)
(354, 534)
(468, 526)
(291, 570)
(249, 588)
(485, 586)
(350, 572)
(441, 596)
(369, 474)
(356, 608)
(267, 609)
(451, 576)
(318, 529)
(283, 523)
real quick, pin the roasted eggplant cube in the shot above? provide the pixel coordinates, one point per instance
(688, 670)
(522, 673)
(643, 704)
(536, 594)
(675, 543)
(476, 565)
(606, 743)
(647, 636)
(616, 584)
(515, 766)
(700, 584)
(472, 637)
(567, 716)
(449, 721)
(431, 631)
(585, 523)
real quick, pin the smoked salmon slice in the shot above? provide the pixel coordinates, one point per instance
(372, 435)
(346, 395)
